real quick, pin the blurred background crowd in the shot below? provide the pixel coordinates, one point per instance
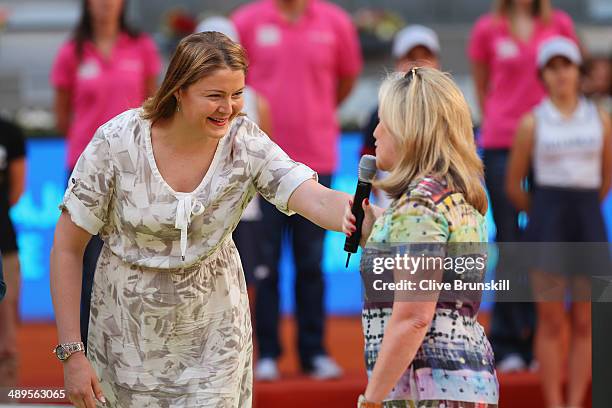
(32, 32)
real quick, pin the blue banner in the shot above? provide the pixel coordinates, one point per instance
(37, 212)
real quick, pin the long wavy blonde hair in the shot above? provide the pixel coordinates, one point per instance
(430, 120)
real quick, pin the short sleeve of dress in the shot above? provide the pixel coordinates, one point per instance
(566, 26)
(274, 174)
(90, 186)
(416, 220)
(479, 45)
(63, 71)
(349, 60)
(417, 229)
(16, 148)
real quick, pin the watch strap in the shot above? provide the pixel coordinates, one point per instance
(74, 347)
(364, 403)
(68, 349)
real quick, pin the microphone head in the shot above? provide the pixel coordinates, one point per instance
(367, 168)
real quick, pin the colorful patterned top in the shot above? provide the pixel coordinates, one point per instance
(455, 361)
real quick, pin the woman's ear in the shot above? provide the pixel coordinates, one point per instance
(177, 98)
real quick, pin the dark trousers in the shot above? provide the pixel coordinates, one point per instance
(512, 323)
(90, 259)
(307, 242)
(246, 237)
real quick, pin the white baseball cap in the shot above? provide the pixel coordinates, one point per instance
(414, 35)
(220, 24)
(558, 47)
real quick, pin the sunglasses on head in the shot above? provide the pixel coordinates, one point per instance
(412, 72)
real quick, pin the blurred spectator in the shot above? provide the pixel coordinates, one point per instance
(503, 48)
(597, 83)
(257, 109)
(177, 23)
(413, 45)
(567, 141)
(304, 58)
(2, 284)
(106, 68)
(12, 182)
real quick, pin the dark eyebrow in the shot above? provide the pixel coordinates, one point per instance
(221, 91)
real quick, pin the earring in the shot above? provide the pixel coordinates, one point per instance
(178, 107)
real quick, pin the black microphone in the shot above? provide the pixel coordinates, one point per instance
(367, 171)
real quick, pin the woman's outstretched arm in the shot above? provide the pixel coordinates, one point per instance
(326, 207)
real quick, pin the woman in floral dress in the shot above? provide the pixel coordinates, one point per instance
(165, 186)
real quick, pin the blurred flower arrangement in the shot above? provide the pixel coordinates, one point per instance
(176, 24)
(376, 28)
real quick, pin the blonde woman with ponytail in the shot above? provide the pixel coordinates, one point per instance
(428, 353)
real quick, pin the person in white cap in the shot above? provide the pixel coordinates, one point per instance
(413, 45)
(502, 51)
(567, 141)
(416, 45)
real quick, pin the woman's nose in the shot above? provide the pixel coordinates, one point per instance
(225, 107)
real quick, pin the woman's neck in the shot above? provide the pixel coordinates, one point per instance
(521, 21)
(521, 10)
(105, 32)
(292, 9)
(180, 134)
(565, 104)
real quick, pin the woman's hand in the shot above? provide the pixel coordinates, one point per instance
(369, 217)
(81, 382)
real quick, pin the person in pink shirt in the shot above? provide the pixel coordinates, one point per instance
(105, 68)
(304, 59)
(503, 48)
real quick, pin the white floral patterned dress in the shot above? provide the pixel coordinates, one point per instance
(170, 323)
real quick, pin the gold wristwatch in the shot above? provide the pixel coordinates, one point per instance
(362, 402)
(63, 351)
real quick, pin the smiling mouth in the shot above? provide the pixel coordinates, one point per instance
(218, 122)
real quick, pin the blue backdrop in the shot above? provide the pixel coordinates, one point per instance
(37, 212)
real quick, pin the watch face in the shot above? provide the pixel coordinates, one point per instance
(61, 353)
